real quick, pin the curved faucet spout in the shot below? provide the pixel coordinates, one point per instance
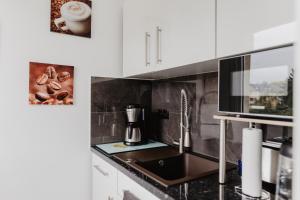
(184, 121)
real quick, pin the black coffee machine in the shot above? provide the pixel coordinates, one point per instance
(135, 123)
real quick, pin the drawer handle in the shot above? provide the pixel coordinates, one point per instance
(129, 196)
(100, 170)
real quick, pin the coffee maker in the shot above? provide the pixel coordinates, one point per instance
(135, 120)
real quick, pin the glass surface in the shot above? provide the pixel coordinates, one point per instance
(260, 83)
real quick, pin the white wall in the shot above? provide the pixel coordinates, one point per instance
(44, 150)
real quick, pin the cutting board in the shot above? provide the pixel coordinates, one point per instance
(120, 147)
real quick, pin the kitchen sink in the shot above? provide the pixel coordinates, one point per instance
(167, 167)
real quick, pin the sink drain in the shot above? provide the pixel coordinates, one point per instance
(161, 163)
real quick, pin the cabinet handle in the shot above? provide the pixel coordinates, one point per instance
(100, 170)
(147, 40)
(159, 49)
(129, 196)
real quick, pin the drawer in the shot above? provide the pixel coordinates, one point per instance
(129, 189)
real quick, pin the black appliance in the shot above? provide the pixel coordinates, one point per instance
(258, 84)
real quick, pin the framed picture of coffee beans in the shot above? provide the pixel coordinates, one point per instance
(71, 17)
(50, 84)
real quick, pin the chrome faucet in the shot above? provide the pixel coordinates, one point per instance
(184, 140)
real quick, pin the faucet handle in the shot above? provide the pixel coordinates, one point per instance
(187, 139)
(176, 142)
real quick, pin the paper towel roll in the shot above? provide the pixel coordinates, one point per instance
(251, 162)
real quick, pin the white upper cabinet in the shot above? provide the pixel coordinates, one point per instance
(253, 24)
(164, 34)
(188, 32)
(138, 37)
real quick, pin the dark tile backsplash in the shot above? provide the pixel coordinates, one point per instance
(162, 98)
(109, 99)
(202, 93)
(113, 95)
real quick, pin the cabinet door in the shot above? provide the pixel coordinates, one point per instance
(100, 191)
(138, 37)
(188, 31)
(240, 24)
(104, 179)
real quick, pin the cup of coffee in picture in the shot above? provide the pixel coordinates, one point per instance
(75, 17)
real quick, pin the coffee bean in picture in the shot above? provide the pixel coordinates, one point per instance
(54, 76)
(68, 101)
(63, 76)
(57, 102)
(32, 99)
(50, 90)
(34, 102)
(50, 101)
(51, 72)
(41, 96)
(55, 85)
(42, 79)
(62, 95)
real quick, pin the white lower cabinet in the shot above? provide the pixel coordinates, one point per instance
(104, 179)
(111, 184)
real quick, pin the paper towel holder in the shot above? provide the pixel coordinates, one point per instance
(223, 127)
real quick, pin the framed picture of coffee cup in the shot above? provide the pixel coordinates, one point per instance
(71, 17)
(50, 84)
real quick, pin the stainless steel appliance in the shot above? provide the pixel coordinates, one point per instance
(258, 84)
(133, 135)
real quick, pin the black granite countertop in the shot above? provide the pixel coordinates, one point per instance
(207, 188)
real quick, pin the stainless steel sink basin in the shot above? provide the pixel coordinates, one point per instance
(167, 167)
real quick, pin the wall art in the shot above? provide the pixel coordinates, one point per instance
(71, 17)
(50, 84)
